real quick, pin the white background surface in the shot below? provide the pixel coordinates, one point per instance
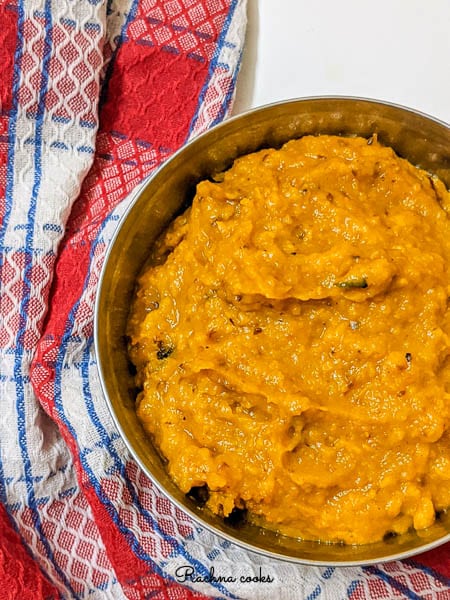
(393, 50)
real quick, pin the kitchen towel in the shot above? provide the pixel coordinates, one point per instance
(94, 95)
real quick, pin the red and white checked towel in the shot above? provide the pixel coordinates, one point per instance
(94, 95)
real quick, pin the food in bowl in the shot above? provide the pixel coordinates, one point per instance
(291, 339)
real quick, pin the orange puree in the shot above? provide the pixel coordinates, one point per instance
(292, 342)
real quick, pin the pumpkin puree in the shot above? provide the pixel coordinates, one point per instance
(291, 340)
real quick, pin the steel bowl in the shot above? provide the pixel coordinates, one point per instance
(421, 139)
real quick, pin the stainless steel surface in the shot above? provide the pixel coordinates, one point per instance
(419, 138)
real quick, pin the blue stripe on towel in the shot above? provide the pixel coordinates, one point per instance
(12, 127)
(107, 443)
(229, 94)
(392, 582)
(429, 571)
(213, 65)
(20, 378)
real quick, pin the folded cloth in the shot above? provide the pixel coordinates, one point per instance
(94, 95)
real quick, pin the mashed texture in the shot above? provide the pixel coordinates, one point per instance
(292, 342)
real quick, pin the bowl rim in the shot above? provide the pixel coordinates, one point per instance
(131, 200)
